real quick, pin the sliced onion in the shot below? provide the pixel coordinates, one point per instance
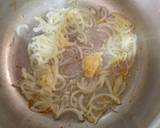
(103, 13)
(78, 113)
(117, 84)
(80, 51)
(62, 24)
(81, 99)
(74, 99)
(96, 108)
(122, 89)
(114, 98)
(109, 86)
(63, 83)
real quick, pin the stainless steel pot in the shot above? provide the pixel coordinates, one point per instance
(140, 107)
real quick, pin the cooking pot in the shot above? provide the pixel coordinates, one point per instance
(140, 106)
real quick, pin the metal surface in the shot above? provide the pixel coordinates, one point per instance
(141, 106)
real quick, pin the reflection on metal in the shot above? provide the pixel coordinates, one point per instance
(139, 103)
